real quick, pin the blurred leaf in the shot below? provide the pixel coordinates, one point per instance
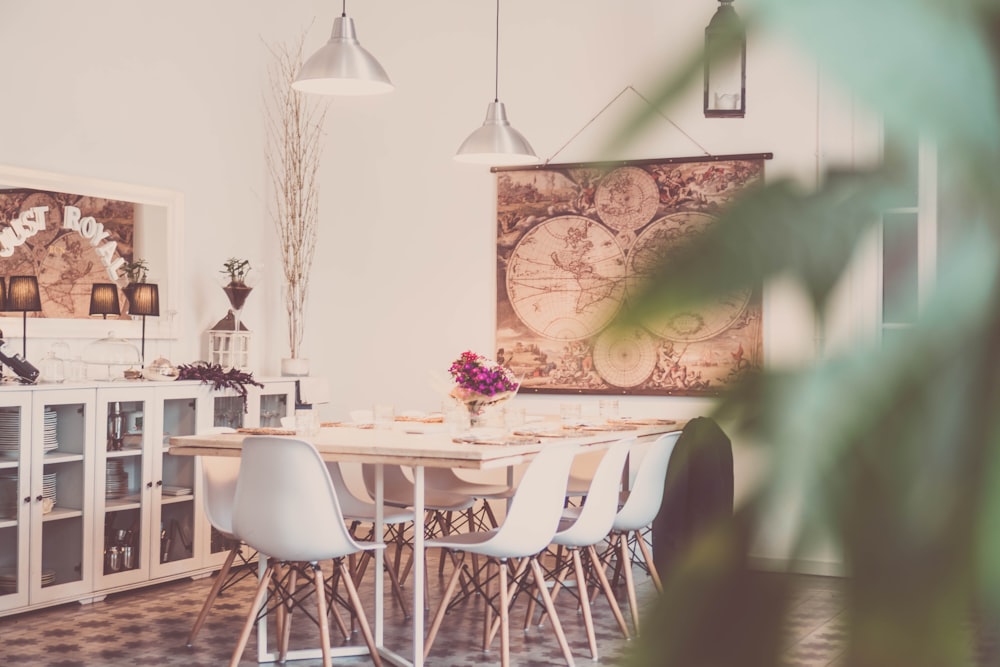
(770, 230)
(924, 64)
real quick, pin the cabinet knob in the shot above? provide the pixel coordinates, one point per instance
(149, 485)
(159, 482)
(27, 499)
(38, 499)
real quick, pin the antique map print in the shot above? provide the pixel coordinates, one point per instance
(574, 241)
(68, 241)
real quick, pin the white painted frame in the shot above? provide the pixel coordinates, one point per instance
(159, 226)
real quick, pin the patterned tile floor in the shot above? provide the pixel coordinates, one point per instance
(150, 627)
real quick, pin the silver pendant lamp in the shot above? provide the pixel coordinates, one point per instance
(343, 66)
(496, 142)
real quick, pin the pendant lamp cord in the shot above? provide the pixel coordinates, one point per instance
(608, 105)
(343, 9)
(496, 60)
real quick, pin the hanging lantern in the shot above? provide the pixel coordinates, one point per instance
(725, 64)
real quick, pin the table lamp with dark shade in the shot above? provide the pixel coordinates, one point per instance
(104, 300)
(23, 296)
(144, 299)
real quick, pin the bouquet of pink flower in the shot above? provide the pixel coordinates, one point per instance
(480, 382)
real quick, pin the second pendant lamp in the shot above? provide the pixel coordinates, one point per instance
(496, 142)
(342, 66)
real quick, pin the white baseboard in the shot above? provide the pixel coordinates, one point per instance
(798, 566)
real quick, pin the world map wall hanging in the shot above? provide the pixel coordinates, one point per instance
(574, 241)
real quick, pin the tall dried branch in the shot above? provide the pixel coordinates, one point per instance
(294, 128)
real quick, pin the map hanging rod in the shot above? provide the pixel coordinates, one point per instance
(626, 163)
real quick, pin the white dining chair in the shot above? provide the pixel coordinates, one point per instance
(359, 511)
(638, 511)
(581, 529)
(218, 490)
(526, 530)
(286, 507)
(440, 507)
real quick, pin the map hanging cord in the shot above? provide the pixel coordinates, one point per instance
(608, 105)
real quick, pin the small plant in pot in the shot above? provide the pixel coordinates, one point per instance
(135, 272)
(236, 289)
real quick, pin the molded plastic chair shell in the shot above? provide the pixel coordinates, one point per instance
(534, 511)
(286, 505)
(591, 523)
(445, 479)
(357, 509)
(399, 490)
(644, 500)
(219, 476)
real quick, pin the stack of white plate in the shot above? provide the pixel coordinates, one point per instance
(116, 485)
(48, 577)
(8, 495)
(50, 440)
(48, 492)
(10, 431)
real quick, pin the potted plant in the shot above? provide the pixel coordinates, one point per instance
(236, 289)
(294, 129)
(135, 272)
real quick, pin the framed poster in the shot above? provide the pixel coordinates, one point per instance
(71, 232)
(68, 241)
(575, 240)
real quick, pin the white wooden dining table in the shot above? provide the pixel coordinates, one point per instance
(417, 445)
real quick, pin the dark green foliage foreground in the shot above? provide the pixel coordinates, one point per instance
(895, 450)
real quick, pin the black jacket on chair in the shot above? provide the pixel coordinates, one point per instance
(697, 493)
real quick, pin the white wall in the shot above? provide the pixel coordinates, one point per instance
(169, 95)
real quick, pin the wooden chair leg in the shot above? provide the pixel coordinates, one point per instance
(332, 605)
(285, 608)
(488, 630)
(324, 622)
(366, 631)
(522, 565)
(536, 570)
(449, 591)
(504, 616)
(581, 585)
(556, 587)
(220, 579)
(597, 567)
(648, 557)
(626, 563)
(258, 598)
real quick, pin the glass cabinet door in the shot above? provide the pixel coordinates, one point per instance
(62, 493)
(177, 519)
(124, 487)
(15, 477)
(229, 411)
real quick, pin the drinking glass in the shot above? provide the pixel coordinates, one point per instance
(608, 409)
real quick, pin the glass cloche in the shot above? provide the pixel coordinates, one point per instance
(109, 358)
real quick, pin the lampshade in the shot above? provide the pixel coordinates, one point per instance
(342, 66)
(144, 299)
(496, 142)
(104, 299)
(23, 295)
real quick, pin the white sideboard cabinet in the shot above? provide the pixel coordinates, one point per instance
(90, 501)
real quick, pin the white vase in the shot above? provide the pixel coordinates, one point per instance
(295, 367)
